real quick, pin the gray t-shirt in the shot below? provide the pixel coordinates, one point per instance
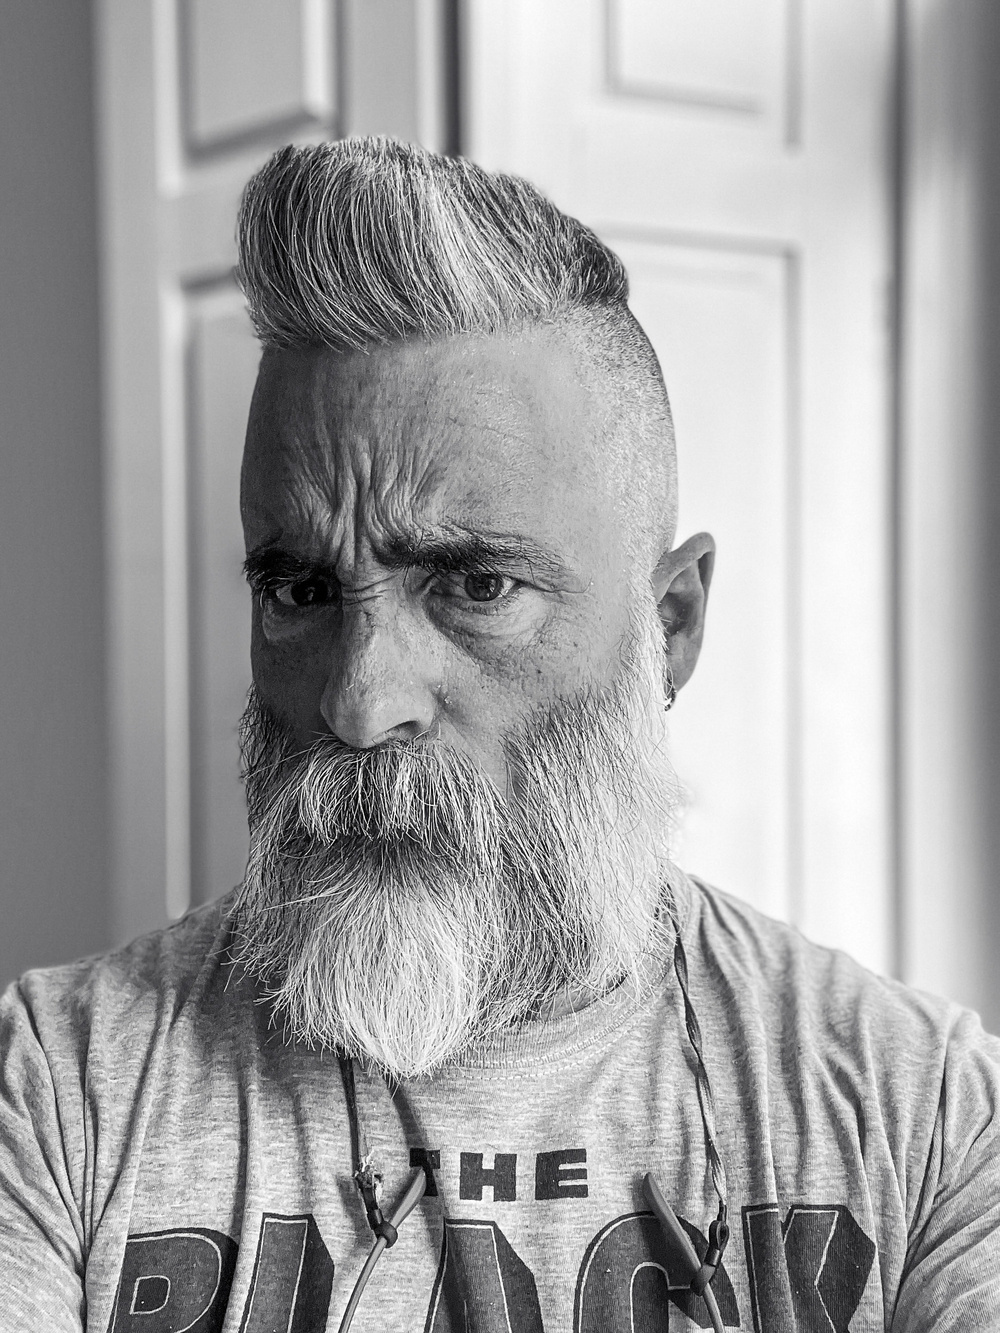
(169, 1163)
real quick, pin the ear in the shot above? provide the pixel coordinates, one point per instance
(680, 585)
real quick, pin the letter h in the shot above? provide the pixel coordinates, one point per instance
(502, 1178)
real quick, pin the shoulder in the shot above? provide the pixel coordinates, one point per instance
(76, 1045)
(784, 969)
(866, 1091)
(817, 1007)
(126, 993)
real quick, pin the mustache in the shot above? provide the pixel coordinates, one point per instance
(411, 804)
(427, 793)
(409, 819)
(400, 791)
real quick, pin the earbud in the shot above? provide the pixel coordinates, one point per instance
(385, 1231)
(700, 1272)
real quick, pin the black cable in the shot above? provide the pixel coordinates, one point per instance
(713, 1311)
(367, 1180)
(365, 1176)
(353, 1119)
(700, 1271)
(706, 1101)
(414, 1193)
(361, 1283)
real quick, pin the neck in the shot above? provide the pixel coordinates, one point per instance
(570, 1000)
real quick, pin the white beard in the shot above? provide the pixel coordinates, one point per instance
(398, 907)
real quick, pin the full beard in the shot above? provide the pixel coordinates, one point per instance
(398, 907)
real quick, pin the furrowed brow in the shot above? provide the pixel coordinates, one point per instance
(271, 564)
(453, 550)
(459, 551)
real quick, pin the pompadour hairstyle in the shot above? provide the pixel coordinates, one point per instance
(365, 241)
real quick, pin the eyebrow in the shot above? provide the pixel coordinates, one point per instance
(270, 564)
(452, 550)
(462, 550)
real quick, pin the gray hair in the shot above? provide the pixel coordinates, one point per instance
(367, 241)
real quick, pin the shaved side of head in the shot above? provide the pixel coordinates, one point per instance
(361, 242)
(623, 375)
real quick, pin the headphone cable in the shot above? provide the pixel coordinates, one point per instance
(413, 1195)
(702, 1270)
(367, 1179)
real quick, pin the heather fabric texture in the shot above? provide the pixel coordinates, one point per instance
(167, 1162)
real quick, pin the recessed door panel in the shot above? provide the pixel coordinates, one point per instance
(729, 55)
(253, 64)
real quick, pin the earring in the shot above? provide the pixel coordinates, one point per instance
(671, 692)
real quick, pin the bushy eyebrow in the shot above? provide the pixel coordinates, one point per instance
(268, 565)
(448, 551)
(463, 550)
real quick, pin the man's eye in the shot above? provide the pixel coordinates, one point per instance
(481, 586)
(304, 592)
(480, 590)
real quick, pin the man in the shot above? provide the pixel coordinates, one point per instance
(462, 967)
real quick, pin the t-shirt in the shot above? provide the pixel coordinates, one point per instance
(169, 1162)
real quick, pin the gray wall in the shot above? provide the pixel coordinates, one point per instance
(950, 489)
(53, 790)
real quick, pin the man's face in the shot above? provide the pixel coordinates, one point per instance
(460, 800)
(432, 541)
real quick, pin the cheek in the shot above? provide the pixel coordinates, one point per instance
(571, 653)
(290, 675)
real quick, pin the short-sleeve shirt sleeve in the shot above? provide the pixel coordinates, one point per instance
(41, 1230)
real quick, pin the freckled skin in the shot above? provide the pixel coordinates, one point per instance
(347, 452)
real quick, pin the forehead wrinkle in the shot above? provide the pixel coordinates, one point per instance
(410, 418)
(385, 456)
(355, 501)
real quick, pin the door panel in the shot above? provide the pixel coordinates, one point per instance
(730, 56)
(252, 64)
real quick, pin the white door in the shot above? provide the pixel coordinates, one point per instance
(734, 153)
(195, 94)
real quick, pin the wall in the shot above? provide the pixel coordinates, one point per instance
(950, 502)
(53, 804)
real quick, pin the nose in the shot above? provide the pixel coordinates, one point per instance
(378, 688)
